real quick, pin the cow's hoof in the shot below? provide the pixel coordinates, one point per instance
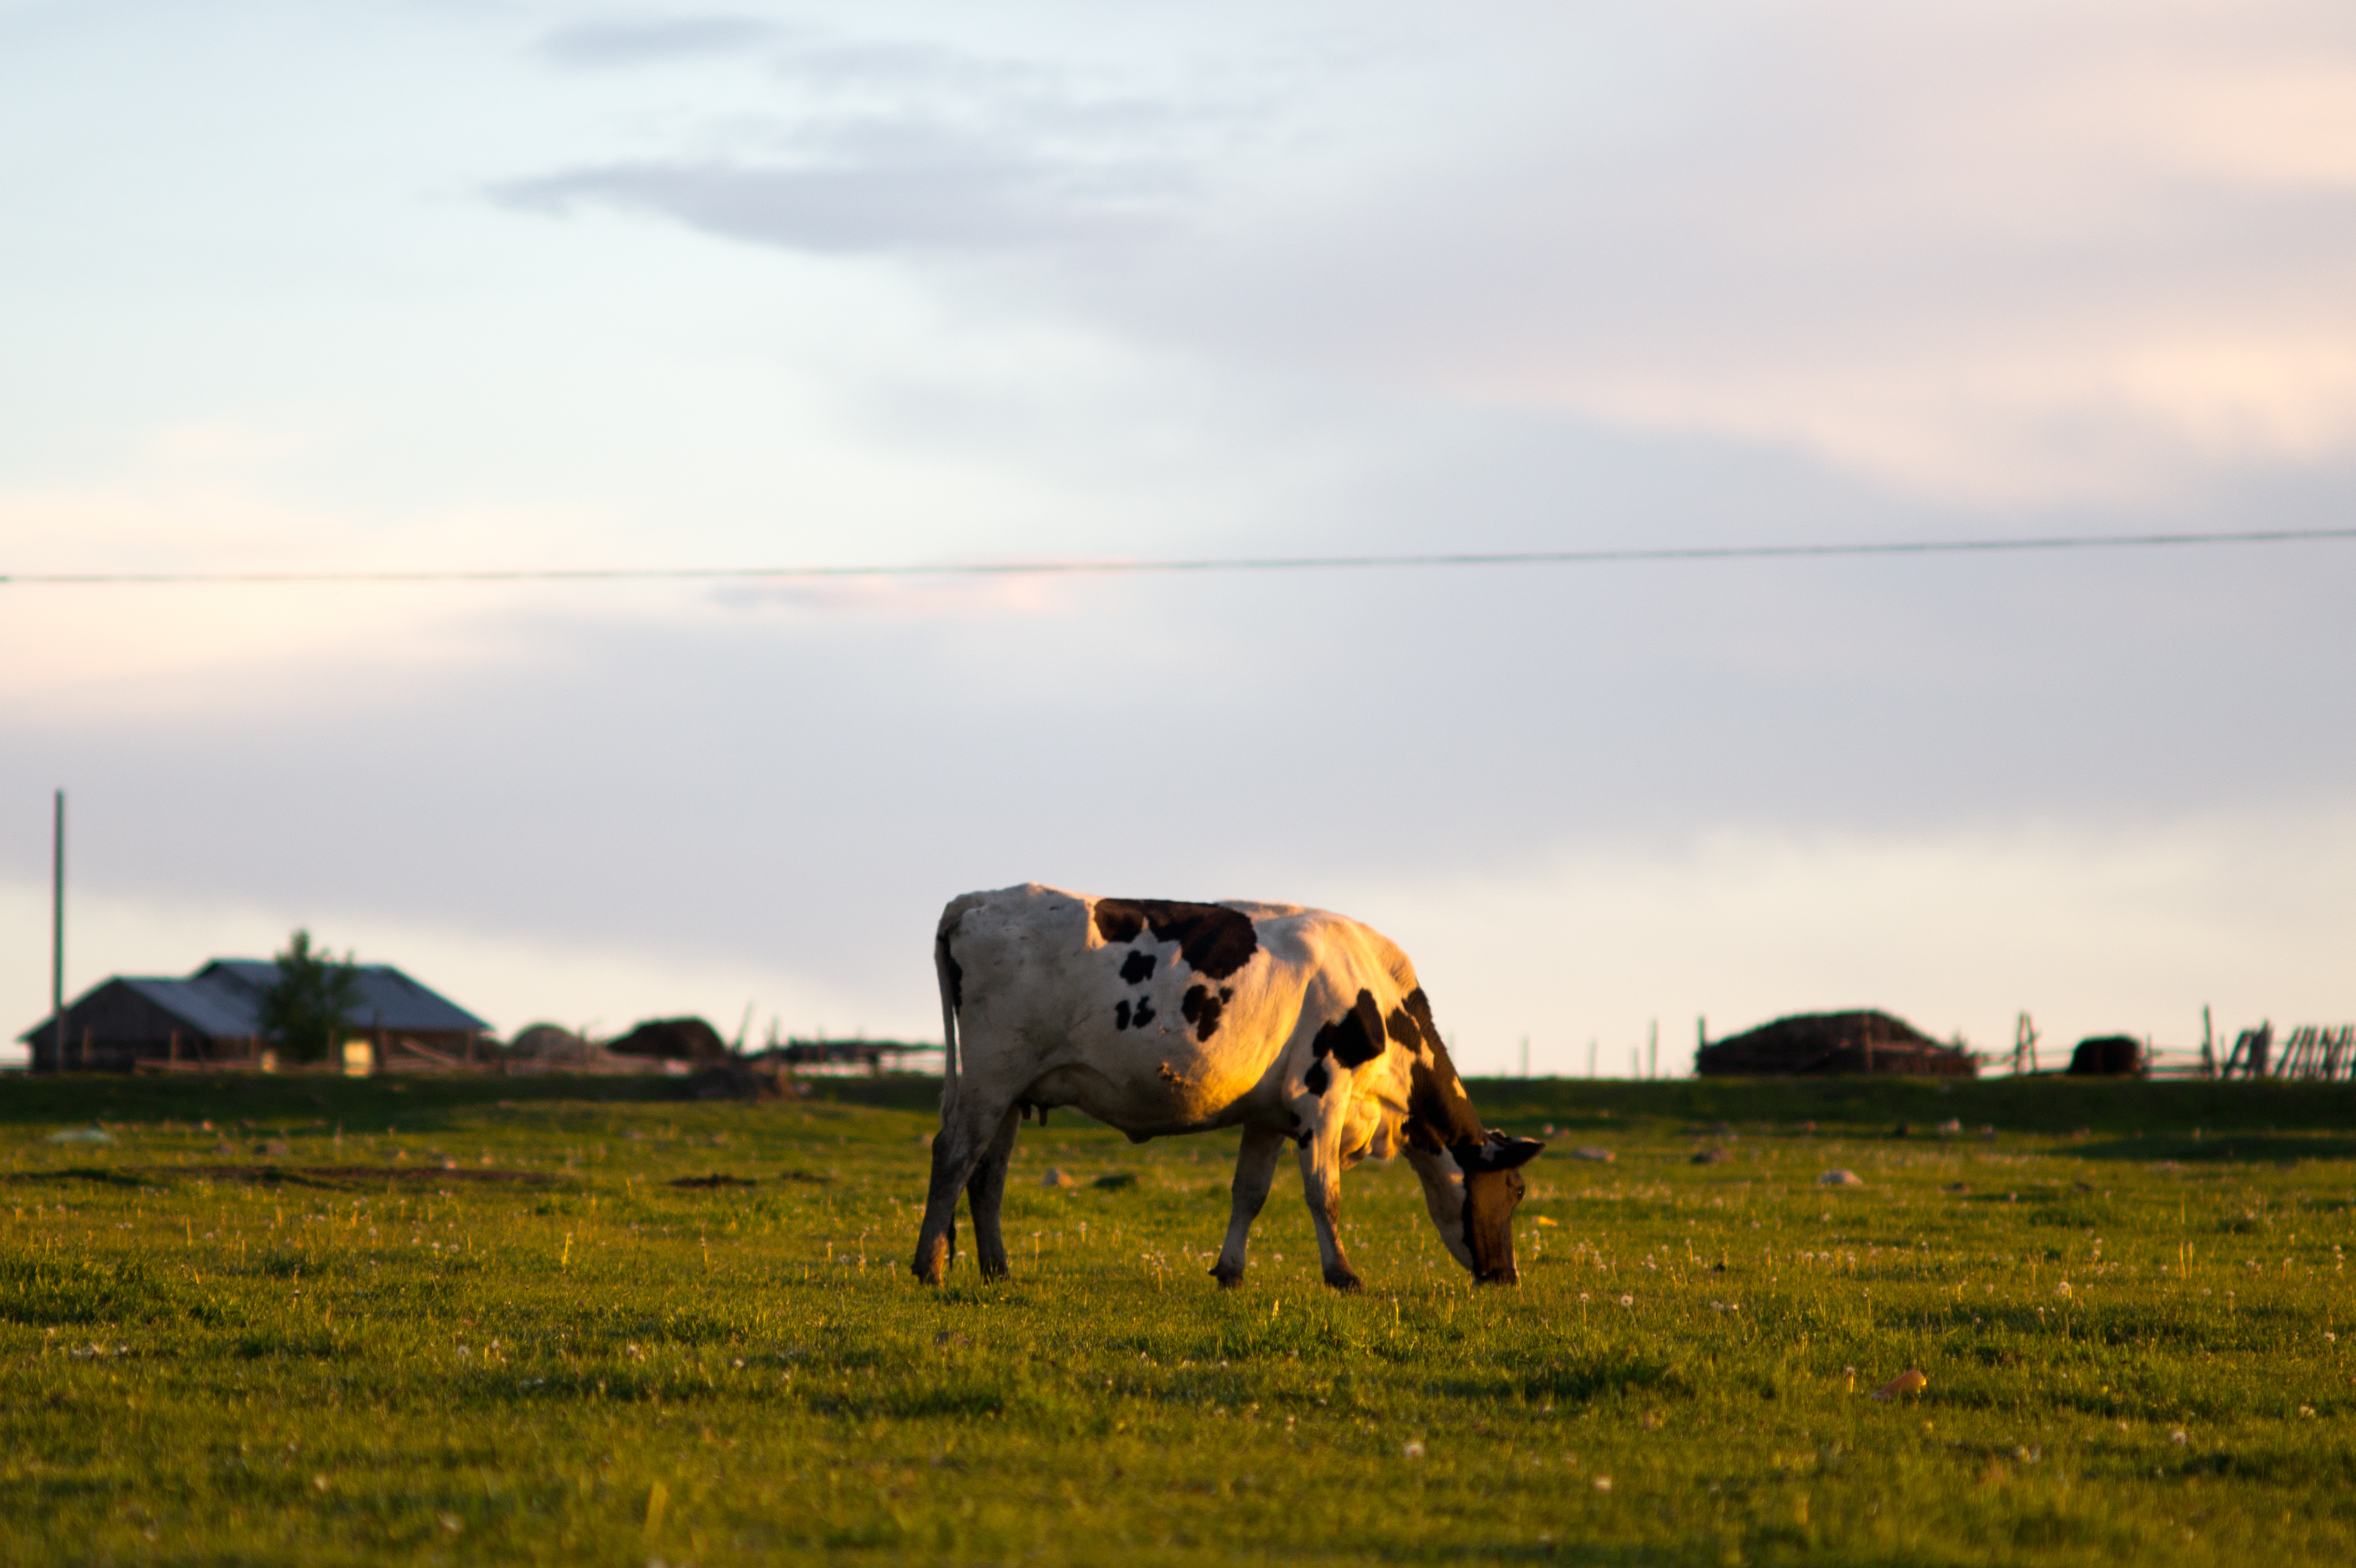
(1228, 1277)
(1343, 1279)
(932, 1262)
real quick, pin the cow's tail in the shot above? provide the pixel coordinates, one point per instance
(944, 967)
(952, 983)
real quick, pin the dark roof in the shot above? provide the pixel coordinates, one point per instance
(223, 1000)
(214, 1010)
(388, 997)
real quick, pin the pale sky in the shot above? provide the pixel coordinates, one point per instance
(449, 286)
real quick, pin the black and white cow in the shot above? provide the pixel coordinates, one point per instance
(1158, 1018)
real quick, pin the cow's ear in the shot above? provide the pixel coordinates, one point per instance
(1500, 1153)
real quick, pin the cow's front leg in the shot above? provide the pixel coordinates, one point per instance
(1321, 1183)
(1255, 1173)
(985, 1190)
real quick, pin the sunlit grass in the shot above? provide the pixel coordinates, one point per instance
(499, 1332)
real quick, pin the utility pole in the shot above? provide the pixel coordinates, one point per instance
(1525, 1056)
(1653, 1050)
(58, 937)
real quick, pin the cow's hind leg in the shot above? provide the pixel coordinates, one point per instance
(985, 1190)
(1255, 1173)
(958, 1149)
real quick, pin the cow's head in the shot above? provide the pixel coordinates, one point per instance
(1472, 1178)
(1471, 1191)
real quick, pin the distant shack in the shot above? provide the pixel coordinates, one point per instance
(1827, 1043)
(213, 1017)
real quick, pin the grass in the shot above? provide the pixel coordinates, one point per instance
(480, 1321)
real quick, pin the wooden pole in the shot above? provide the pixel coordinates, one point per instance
(58, 937)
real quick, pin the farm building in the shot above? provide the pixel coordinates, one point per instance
(1862, 1041)
(215, 1015)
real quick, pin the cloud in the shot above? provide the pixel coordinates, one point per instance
(899, 145)
(624, 42)
(1993, 255)
(944, 199)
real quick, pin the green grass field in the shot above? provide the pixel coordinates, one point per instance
(483, 1321)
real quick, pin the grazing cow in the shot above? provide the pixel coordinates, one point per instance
(1157, 1017)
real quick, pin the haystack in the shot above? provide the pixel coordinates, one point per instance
(1863, 1041)
(688, 1040)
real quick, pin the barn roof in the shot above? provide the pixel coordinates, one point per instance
(223, 1000)
(388, 997)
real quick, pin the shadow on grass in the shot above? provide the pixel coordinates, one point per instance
(329, 1177)
(2229, 1147)
(1577, 1380)
(2048, 1104)
(130, 1180)
(417, 1103)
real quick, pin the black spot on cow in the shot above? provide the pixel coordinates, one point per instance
(1121, 1013)
(1356, 1036)
(955, 971)
(1119, 921)
(1202, 1009)
(1137, 968)
(1317, 1077)
(1214, 941)
(1402, 1028)
(1439, 1114)
(1144, 1014)
(1227, 993)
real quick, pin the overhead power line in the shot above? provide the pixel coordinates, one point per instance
(2054, 543)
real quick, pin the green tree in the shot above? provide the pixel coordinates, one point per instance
(313, 998)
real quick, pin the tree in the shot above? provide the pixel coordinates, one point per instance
(313, 998)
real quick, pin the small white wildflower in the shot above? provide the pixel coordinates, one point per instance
(1602, 1483)
(1413, 1450)
(2177, 1437)
(1627, 1300)
(2063, 1289)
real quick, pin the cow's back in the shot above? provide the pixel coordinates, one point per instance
(1149, 1015)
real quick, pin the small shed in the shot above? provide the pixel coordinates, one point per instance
(215, 1016)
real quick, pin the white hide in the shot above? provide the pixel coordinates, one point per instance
(1041, 1014)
